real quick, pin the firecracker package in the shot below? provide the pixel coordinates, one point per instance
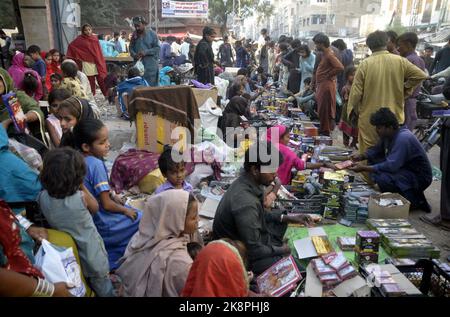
(329, 280)
(392, 290)
(346, 243)
(365, 258)
(15, 112)
(327, 258)
(321, 268)
(343, 165)
(347, 272)
(367, 242)
(322, 245)
(339, 262)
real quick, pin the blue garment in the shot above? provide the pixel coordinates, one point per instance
(165, 54)
(123, 45)
(115, 228)
(400, 163)
(306, 68)
(18, 183)
(118, 46)
(164, 79)
(242, 58)
(147, 43)
(168, 185)
(40, 67)
(127, 87)
(108, 49)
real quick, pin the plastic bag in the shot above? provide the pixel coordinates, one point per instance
(60, 265)
(28, 154)
(140, 66)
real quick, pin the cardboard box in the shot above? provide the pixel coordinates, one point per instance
(153, 132)
(395, 212)
(201, 95)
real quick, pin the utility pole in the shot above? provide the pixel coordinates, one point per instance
(153, 14)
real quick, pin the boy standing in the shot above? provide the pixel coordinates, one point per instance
(39, 66)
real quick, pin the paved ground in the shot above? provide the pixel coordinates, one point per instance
(121, 133)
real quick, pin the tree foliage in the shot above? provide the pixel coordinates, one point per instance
(219, 11)
(102, 13)
(7, 15)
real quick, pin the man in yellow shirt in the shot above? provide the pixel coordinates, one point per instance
(382, 80)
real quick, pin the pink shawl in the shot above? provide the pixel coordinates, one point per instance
(290, 159)
(156, 262)
(17, 72)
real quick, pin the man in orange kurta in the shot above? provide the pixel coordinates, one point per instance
(329, 67)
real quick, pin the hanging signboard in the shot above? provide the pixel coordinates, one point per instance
(179, 9)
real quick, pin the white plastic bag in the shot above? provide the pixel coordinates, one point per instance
(60, 265)
(209, 115)
(140, 66)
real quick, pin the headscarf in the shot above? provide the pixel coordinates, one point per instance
(87, 49)
(218, 271)
(281, 129)
(156, 261)
(83, 111)
(290, 159)
(18, 70)
(164, 79)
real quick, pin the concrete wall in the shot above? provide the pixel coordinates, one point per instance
(37, 24)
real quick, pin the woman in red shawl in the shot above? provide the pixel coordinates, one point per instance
(53, 66)
(218, 271)
(86, 51)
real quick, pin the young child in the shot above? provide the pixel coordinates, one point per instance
(52, 124)
(71, 82)
(67, 206)
(56, 80)
(174, 172)
(348, 124)
(111, 81)
(115, 222)
(39, 66)
(280, 137)
(71, 112)
(126, 87)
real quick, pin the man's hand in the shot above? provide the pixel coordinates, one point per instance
(357, 157)
(286, 248)
(300, 219)
(329, 165)
(61, 290)
(37, 233)
(269, 200)
(358, 168)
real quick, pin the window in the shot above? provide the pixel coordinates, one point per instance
(318, 19)
(321, 1)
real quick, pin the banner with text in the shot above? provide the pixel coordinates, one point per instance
(178, 9)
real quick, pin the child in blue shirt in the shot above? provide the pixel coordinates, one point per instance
(115, 222)
(174, 172)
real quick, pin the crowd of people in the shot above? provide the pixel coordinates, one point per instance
(158, 251)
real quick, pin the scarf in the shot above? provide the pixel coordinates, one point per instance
(146, 268)
(218, 271)
(87, 49)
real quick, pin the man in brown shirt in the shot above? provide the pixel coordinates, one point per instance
(325, 83)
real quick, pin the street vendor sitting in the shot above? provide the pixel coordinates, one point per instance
(280, 137)
(241, 214)
(398, 163)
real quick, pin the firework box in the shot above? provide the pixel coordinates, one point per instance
(364, 258)
(15, 112)
(280, 278)
(393, 212)
(367, 242)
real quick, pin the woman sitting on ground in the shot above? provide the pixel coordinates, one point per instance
(232, 116)
(156, 262)
(218, 271)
